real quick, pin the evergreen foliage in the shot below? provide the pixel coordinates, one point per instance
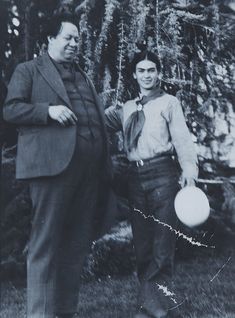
(195, 43)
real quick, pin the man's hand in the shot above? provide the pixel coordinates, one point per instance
(62, 114)
(186, 181)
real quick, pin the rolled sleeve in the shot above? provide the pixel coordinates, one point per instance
(181, 139)
(113, 118)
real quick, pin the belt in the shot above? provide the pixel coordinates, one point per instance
(143, 162)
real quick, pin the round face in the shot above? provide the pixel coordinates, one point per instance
(63, 47)
(146, 75)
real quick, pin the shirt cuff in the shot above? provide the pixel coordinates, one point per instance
(190, 171)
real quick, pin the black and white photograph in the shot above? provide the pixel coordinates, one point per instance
(117, 170)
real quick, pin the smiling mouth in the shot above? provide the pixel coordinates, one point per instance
(147, 82)
(71, 50)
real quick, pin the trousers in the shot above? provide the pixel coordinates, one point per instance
(63, 208)
(152, 190)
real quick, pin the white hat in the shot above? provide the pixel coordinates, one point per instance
(192, 206)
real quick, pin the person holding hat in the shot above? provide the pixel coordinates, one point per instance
(155, 132)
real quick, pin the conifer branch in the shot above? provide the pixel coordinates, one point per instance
(121, 58)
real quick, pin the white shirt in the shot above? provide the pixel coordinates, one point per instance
(164, 130)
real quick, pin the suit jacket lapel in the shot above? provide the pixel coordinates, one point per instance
(52, 76)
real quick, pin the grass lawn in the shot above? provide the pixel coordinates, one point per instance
(205, 284)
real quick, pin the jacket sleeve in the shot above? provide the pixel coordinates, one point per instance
(181, 139)
(113, 119)
(18, 108)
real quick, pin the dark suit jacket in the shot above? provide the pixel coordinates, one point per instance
(44, 147)
(3, 92)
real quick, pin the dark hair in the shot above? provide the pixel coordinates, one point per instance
(145, 55)
(54, 23)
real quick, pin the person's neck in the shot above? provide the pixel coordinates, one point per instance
(146, 92)
(55, 58)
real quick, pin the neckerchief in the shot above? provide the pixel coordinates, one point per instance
(135, 122)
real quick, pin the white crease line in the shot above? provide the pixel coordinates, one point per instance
(211, 236)
(178, 233)
(221, 269)
(167, 292)
(183, 301)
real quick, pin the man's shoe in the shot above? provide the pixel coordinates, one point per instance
(141, 315)
(174, 315)
(74, 315)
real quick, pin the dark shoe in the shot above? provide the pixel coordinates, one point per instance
(144, 313)
(74, 315)
(141, 315)
(174, 315)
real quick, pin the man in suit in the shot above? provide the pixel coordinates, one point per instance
(3, 91)
(63, 153)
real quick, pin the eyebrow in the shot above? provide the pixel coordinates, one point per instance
(148, 69)
(71, 36)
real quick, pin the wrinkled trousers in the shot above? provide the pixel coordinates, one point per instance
(152, 190)
(62, 229)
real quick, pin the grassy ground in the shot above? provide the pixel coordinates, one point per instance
(205, 284)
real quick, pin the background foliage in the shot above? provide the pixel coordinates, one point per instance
(195, 42)
(194, 39)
